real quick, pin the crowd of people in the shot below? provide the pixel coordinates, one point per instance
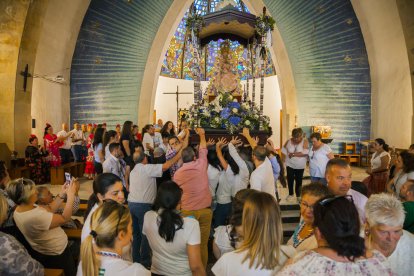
(158, 199)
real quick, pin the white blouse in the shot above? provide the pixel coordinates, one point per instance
(376, 159)
(295, 162)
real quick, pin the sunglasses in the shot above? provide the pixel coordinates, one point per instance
(328, 200)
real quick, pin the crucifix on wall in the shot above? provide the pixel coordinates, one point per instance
(177, 94)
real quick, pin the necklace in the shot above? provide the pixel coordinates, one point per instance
(297, 240)
(109, 254)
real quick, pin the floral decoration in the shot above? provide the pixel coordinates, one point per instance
(225, 112)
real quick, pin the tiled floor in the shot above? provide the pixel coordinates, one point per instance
(86, 185)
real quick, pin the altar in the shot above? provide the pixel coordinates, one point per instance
(224, 108)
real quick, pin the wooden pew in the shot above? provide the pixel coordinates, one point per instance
(54, 272)
(19, 172)
(57, 174)
(73, 234)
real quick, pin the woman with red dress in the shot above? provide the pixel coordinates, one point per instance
(90, 168)
(52, 144)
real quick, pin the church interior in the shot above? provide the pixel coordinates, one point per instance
(283, 70)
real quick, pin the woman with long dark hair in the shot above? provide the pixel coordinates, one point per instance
(99, 155)
(127, 143)
(168, 128)
(174, 240)
(341, 250)
(105, 186)
(377, 180)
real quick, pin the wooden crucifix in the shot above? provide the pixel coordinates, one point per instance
(177, 94)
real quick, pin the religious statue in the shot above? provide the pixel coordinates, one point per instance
(224, 74)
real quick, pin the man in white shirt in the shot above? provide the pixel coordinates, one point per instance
(65, 150)
(339, 177)
(142, 192)
(113, 165)
(78, 140)
(151, 140)
(261, 178)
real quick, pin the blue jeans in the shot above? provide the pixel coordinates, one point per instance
(321, 180)
(78, 153)
(141, 251)
(221, 214)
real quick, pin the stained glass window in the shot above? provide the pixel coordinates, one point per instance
(177, 65)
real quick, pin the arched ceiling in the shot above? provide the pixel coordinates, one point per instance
(323, 41)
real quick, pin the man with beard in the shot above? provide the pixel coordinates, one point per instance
(407, 197)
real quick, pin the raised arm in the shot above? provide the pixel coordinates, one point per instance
(57, 219)
(246, 134)
(219, 146)
(202, 134)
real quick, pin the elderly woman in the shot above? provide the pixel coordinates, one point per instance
(304, 236)
(295, 154)
(45, 199)
(384, 232)
(405, 166)
(319, 156)
(35, 159)
(4, 180)
(14, 260)
(341, 251)
(40, 227)
(380, 164)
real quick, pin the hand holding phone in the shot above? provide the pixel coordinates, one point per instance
(68, 178)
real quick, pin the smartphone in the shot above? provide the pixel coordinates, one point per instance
(68, 178)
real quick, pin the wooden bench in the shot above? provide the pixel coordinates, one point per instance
(57, 174)
(19, 172)
(54, 272)
(350, 158)
(73, 234)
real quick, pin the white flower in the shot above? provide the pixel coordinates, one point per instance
(230, 97)
(256, 116)
(217, 119)
(235, 100)
(247, 123)
(235, 110)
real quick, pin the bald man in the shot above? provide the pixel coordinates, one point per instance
(65, 150)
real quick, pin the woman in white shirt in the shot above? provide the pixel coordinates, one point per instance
(295, 154)
(98, 150)
(379, 171)
(40, 227)
(319, 156)
(101, 251)
(226, 183)
(174, 240)
(404, 166)
(259, 252)
(227, 238)
(106, 186)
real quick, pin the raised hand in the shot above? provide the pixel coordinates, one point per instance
(235, 141)
(200, 131)
(246, 132)
(221, 142)
(256, 139)
(211, 142)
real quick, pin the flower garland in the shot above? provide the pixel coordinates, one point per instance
(264, 23)
(225, 112)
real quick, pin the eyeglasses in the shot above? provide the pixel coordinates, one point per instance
(328, 200)
(306, 205)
